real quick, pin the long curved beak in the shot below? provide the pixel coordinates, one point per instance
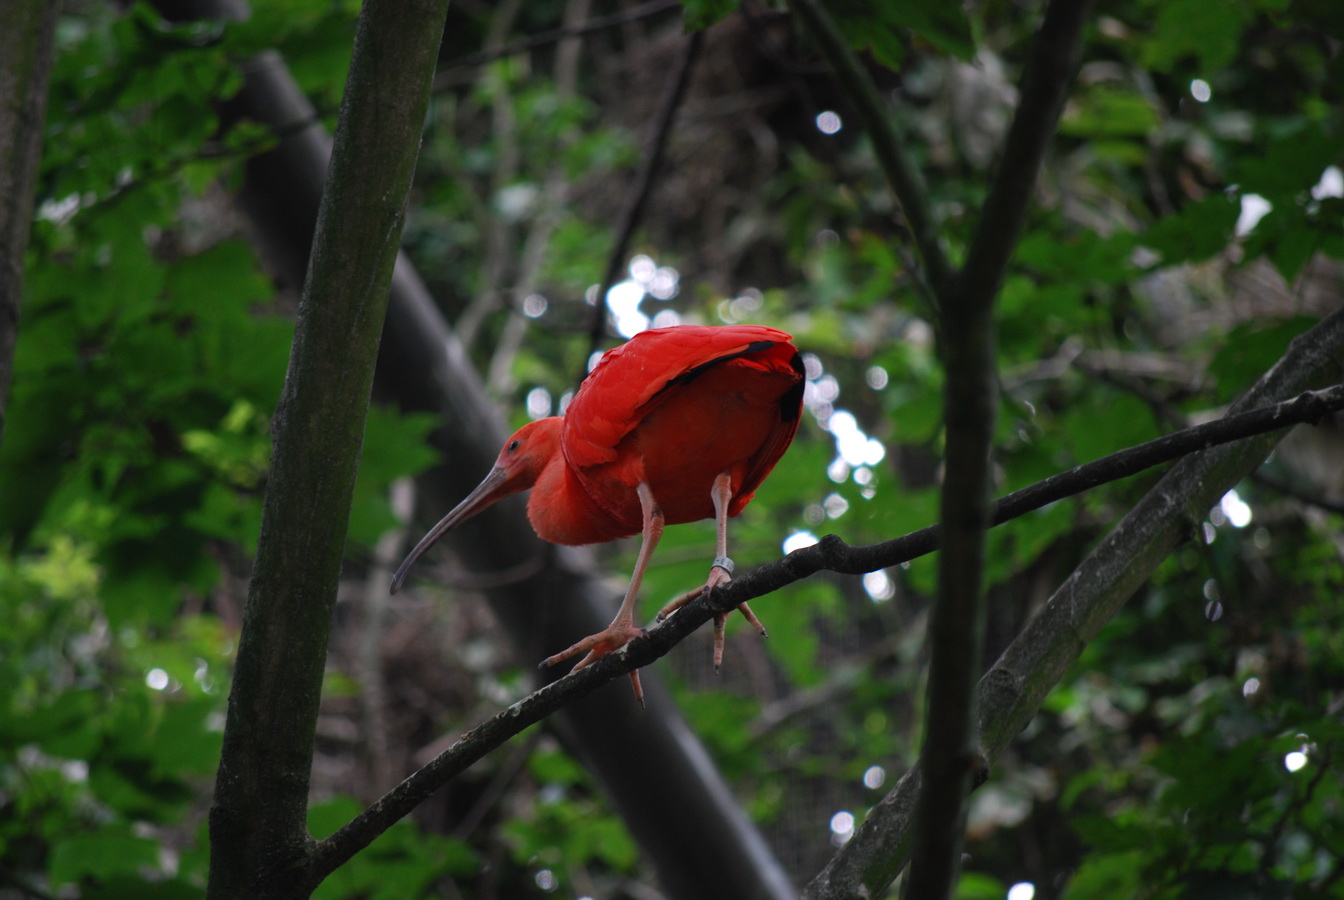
(486, 493)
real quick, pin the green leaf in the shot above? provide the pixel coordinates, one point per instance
(1108, 111)
(1107, 875)
(395, 446)
(107, 853)
(610, 841)
(878, 28)
(700, 14)
(1207, 32)
(326, 817)
(1291, 164)
(186, 744)
(979, 886)
(1249, 350)
(556, 767)
(1104, 424)
(1197, 232)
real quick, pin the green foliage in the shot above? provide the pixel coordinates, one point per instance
(567, 830)
(880, 29)
(104, 741)
(394, 447)
(136, 451)
(404, 862)
(1188, 28)
(700, 14)
(153, 344)
(1252, 347)
(1199, 231)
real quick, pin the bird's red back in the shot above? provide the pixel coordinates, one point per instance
(648, 407)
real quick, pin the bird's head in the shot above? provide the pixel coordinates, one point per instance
(521, 460)
(517, 468)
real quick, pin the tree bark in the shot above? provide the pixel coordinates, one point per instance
(970, 409)
(27, 47)
(258, 823)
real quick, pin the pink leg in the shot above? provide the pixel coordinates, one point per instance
(720, 572)
(622, 629)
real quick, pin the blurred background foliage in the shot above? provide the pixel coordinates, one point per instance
(1188, 224)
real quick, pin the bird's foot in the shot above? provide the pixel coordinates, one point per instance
(720, 573)
(595, 646)
(721, 620)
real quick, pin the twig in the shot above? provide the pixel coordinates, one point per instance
(555, 35)
(535, 245)
(504, 777)
(841, 679)
(497, 231)
(1294, 807)
(372, 631)
(640, 189)
(1291, 490)
(16, 883)
(903, 177)
(831, 553)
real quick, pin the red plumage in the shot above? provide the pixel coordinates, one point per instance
(667, 428)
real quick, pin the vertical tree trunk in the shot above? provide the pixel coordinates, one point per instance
(27, 42)
(258, 823)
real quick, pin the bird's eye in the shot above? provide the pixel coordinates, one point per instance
(513, 445)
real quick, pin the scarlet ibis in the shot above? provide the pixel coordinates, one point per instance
(676, 425)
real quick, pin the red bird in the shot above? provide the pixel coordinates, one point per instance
(679, 424)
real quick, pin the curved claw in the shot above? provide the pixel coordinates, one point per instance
(612, 638)
(718, 574)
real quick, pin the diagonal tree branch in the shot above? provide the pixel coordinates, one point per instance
(967, 348)
(831, 554)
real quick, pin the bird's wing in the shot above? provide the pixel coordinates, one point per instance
(763, 461)
(627, 382)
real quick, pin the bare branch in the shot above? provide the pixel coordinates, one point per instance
(643, 184)
(598, 23)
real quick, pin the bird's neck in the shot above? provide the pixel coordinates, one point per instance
(562, 512)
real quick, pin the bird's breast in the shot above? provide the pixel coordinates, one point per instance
(563, 511)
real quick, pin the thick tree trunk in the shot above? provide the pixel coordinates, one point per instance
(258, 823)
(27, 32)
